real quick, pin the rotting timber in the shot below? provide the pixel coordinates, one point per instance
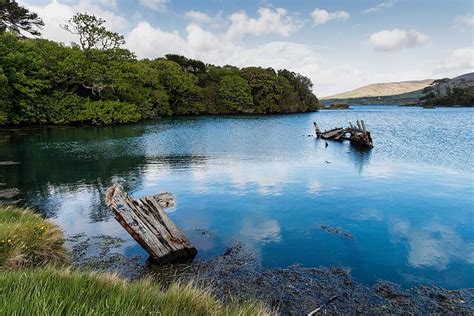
(147, 222)
(358, 134)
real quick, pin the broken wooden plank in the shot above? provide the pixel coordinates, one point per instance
(332, 134)
(147, 222)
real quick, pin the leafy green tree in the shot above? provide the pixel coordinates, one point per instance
(110, 112)
(181, 86)
(5, 100)
(27, 78)
(16, 18)
(303, 87)
(235, 95)
(193, 66)
(92, 33)
(264, 87)
(289, 100)
(142, 86)
(209, 81)
(97, 82)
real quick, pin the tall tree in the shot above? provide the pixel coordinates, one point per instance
(92, 33)
(194, 66)
(235, 95)
(16, 18)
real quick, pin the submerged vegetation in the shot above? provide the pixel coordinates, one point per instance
(34, 279)
(98, 82)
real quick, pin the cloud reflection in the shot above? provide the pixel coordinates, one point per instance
(257, 230)
(434, 245)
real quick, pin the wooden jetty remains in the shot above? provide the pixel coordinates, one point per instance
(358, 134)
(147, 222)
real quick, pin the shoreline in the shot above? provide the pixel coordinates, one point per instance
(158, 119)
(236, 273)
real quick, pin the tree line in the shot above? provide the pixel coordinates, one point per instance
(96, 81)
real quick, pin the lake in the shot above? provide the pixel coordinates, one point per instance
(260, 180)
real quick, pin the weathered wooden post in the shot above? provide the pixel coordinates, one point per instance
(147, 222)
(317, 130)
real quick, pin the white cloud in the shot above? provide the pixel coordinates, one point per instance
(396, 39)
(55, 13)
(157, 5)
(108, 3)
(459, 59)
(217, 48)
(147, 41)
(380, 6)
(269, 21)
(322, 16)
(198, 17)
(465, 20)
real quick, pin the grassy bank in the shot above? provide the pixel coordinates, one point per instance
(28, 240)
(50, 291)
(34, 280)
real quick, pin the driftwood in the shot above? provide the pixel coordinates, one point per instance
(323, 306)
(358, 134)
(147, 222)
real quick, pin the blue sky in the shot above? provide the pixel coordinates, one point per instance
(339, 44)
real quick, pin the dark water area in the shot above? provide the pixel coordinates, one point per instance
(260, 180)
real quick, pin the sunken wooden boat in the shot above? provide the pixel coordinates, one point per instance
(357, 134)
(147, 222)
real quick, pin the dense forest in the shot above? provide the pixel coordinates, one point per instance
(441, 93)
(96, 81)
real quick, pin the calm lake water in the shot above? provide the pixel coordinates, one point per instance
(262, 181)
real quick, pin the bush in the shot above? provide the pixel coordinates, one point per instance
(109, 112)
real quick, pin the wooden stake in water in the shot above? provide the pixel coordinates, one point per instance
(147, 222)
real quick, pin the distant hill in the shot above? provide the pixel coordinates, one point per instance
(463, 81)
(404, 92)
(455, 92)
(383, 89)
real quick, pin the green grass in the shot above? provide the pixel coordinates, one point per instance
(50, 291)
(35, 280)
(27, 240)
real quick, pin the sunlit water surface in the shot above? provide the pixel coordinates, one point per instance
(262, 181)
